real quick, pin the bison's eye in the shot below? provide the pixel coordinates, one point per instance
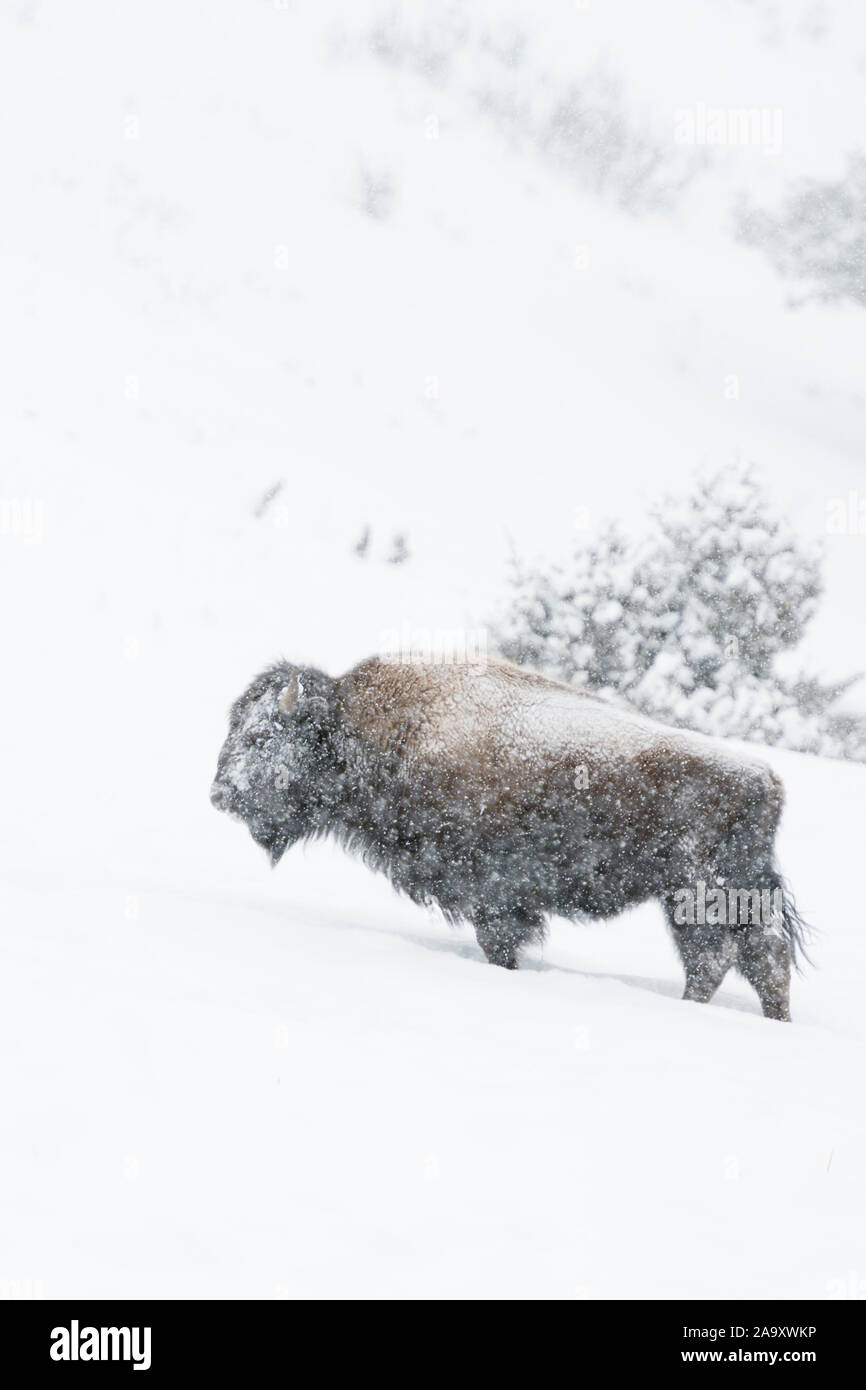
(258, 740)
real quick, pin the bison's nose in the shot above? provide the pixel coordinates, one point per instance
(220, 796)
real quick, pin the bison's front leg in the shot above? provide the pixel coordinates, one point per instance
(501, 938)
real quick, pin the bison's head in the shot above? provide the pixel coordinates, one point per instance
(273, 764)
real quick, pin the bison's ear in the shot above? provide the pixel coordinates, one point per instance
(288, 696)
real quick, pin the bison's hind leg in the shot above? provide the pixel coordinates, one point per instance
(501, 936)
(762, 957)
(765, 960)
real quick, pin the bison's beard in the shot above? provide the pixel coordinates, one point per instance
(275, 839)
(275, 830)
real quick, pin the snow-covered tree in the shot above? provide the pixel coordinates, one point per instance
(576, 621)
(689, 625)
(728, 588)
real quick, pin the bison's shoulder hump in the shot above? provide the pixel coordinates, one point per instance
(487, 704)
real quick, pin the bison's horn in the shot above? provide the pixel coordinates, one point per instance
(288, 696)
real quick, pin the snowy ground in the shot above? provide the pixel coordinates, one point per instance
(239, 1083)
(220, 1080)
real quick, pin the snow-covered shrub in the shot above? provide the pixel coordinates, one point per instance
(589, 134)
(377, 191)
(524, 78)
(689, 624)
(819, 234)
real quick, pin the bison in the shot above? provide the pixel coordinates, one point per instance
(504, 797)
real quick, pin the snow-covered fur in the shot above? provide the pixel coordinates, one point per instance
(504, 797)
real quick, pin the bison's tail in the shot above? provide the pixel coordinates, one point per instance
(793, 927)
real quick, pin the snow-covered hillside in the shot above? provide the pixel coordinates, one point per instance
(223, 1081)
(244, 247)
